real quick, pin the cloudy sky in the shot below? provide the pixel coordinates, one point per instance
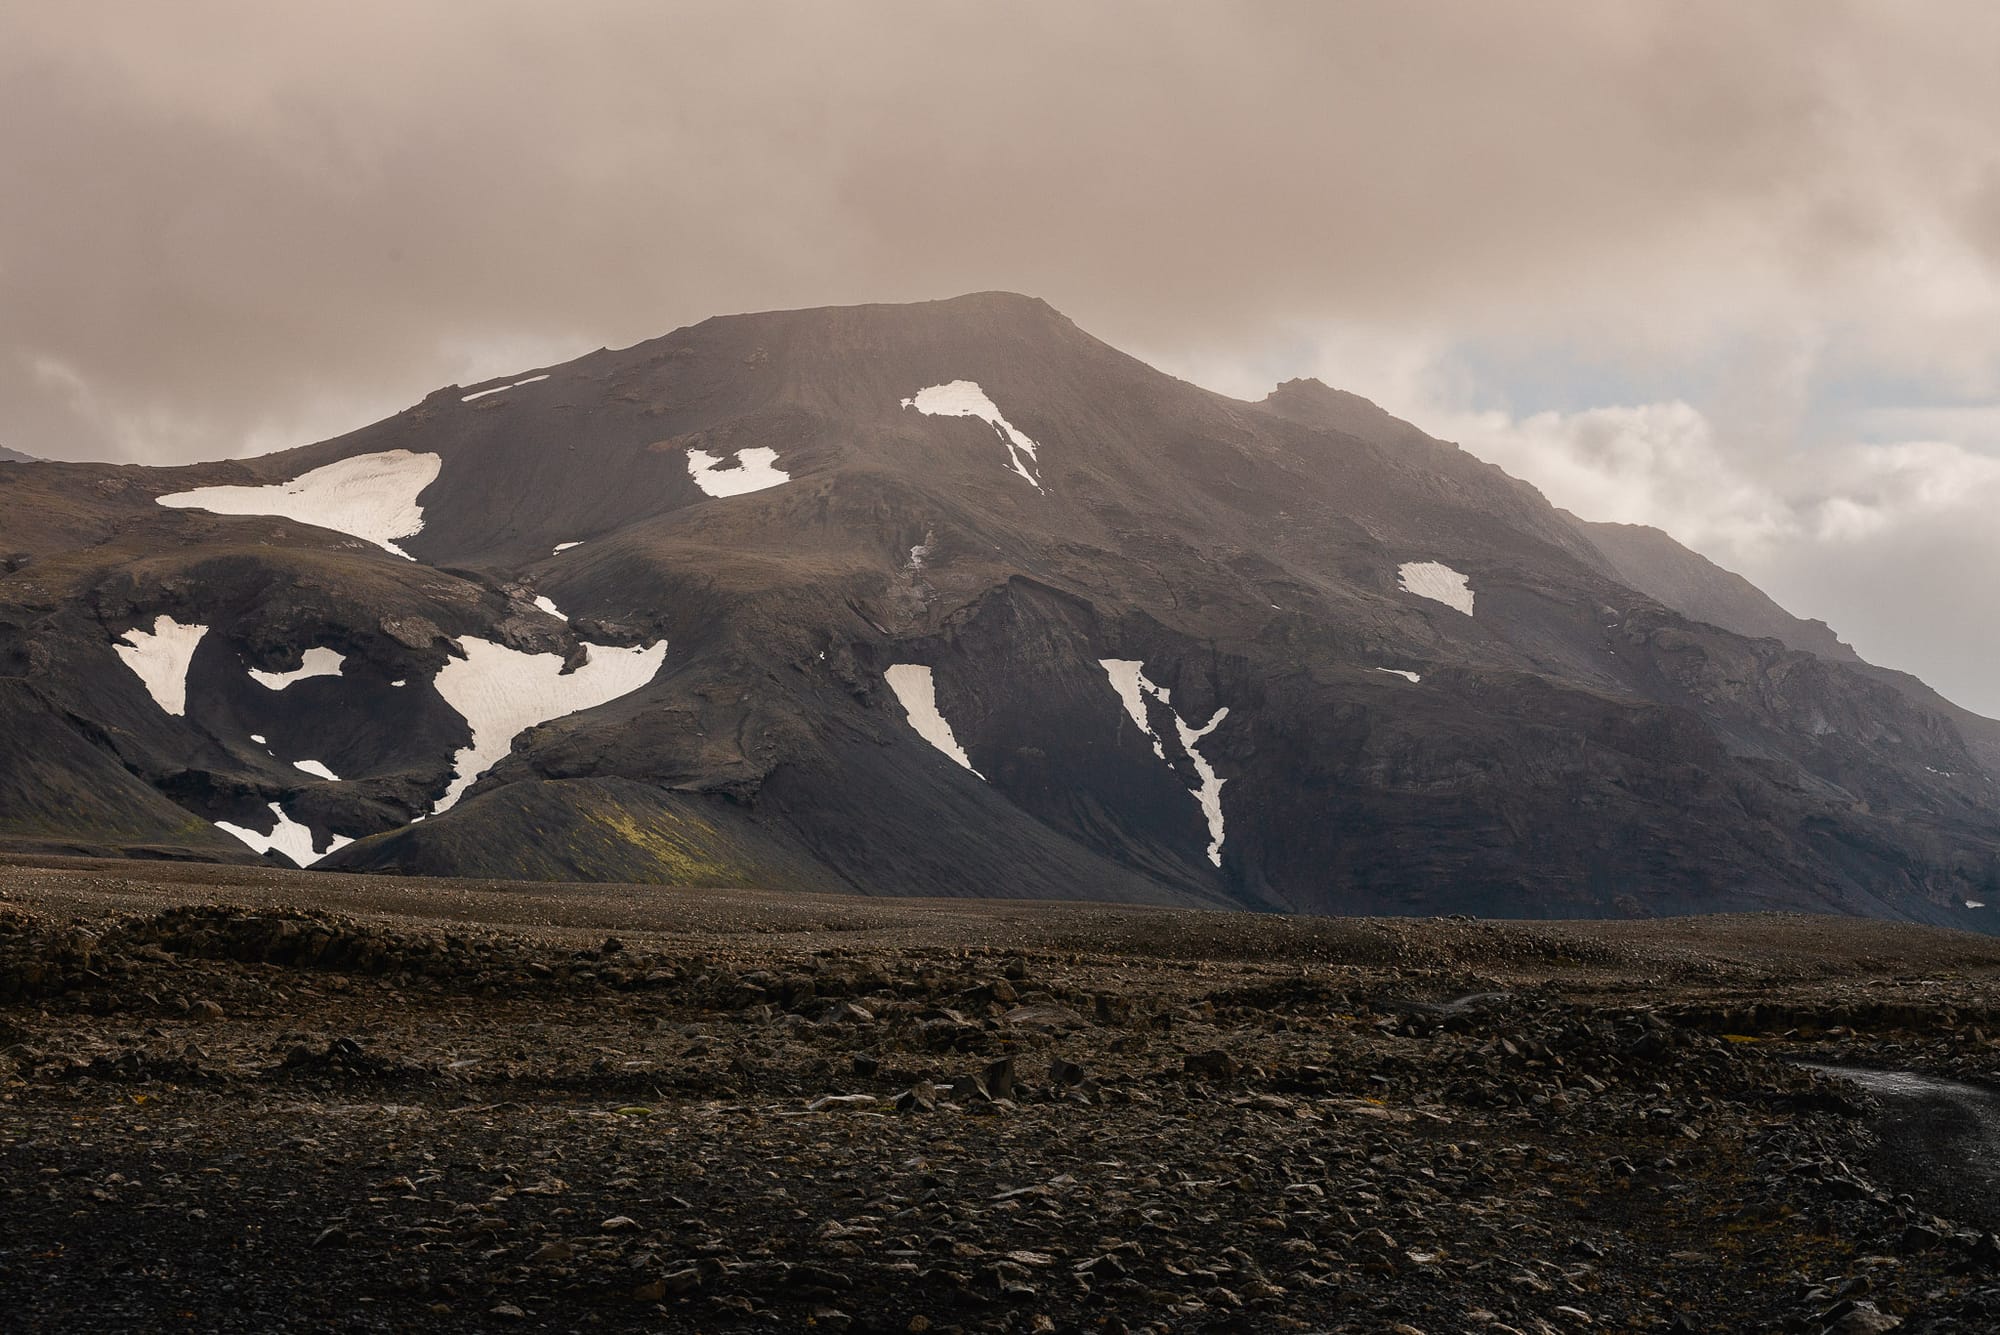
(1729, 269)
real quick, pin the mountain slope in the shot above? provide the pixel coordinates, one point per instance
(1655, 564)
(953, 598)
(1650, 561)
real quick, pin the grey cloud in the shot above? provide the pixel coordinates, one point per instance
(221, 214)
(1892, 544)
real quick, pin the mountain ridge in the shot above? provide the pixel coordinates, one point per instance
(1656, 564)
(1653, 562)
(1373, 673)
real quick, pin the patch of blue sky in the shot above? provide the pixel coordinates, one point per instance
(1845, 399)
(1874, 407)
(1522, 378)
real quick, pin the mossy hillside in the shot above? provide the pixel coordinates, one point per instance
(592, 829)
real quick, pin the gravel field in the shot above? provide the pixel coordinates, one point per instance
(247, 1100)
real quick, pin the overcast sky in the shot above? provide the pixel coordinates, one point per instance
(1725, 268)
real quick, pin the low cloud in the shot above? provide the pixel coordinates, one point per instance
(231, 220)
(1651, 463)
(1892, 543)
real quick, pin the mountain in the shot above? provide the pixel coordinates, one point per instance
(1653, 563)
(948, 598)
(1650, 561)
(8, 456)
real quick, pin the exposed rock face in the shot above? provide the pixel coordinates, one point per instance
(1659, 567)
(1654, 564)
(1377, 672)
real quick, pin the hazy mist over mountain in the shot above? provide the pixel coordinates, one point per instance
(1724, 269)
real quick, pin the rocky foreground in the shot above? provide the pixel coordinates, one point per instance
(244, 1100)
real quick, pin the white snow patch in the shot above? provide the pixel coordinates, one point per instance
(916, 691)
(317, 768)
(371, 496)
(317, 663)
(1400, 672)
(1439, 583)
(963, 398)
(289, 837)
(258, 738)
(562, 547)
(1975, 903)
(482, 393)
(1128, 678)
(754, 470)
(547, 604)
(161, 657)
(399, 683)
(503, 692)
(1209, 793)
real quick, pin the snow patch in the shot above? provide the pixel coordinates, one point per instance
(1439, 583)
(371, 496)
(258, 738)
(562, 547)
(547, 604)
(316, 767)
(754, 470)
(289, 837)
(1975, 903)
(317, 663)
(1128, 678)
(1209, 791)
(502, 692)
(161, 658)
(1400, 672)
(963, 398)
(482, 393)
(399, 683)
(916, 691)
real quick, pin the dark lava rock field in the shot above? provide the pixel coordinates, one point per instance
(249, 1100)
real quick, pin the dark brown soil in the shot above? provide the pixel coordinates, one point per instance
(237, 1099)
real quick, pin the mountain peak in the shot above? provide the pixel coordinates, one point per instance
(993, 306)
(1312, 402)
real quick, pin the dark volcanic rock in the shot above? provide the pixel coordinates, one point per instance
(433, 1114)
